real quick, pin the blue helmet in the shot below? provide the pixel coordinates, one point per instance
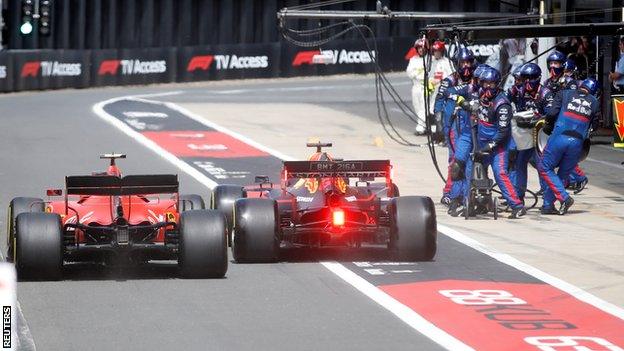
(590, 85)
(531, 74)
(465, 71)
(489, 75)
(479, 69)
(517, 79)
(555, 56)
(569, 65)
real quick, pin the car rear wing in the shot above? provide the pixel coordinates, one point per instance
(129, 185)
(347, 169)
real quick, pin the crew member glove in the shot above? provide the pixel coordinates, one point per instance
(548, 128)
(487, 148)
(472, 106)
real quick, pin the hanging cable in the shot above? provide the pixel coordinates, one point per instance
(318, 4)
(383, 85)
(522, 18)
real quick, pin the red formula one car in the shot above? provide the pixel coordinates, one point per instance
(327, 202)
(108, 218)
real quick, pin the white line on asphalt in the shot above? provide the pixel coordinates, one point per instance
(610, 164)
(410, 317)
(25, 338)
(98, 109)
(166, 93)
(530, 270)
(144, 114)
(611, 148)
(303, 88)
(229, 132)
(404, 313)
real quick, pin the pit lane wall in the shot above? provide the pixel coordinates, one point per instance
(22, 70)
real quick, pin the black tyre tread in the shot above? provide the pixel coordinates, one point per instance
(203, 244)
(39, 246)
(223, 198)
(255, 231)
(16, 206)
(413, 228)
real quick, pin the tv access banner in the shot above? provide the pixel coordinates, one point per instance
(58, 69)
(338, 57)
(49, 69)
(133, 66)
(228, 62)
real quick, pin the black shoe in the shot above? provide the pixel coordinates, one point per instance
(518, 212)
(456, 208)
(580, 186)
(548, 211)
(502, 202)
(565, 206)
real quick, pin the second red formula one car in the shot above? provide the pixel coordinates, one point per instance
(108, 218)
(327, 202)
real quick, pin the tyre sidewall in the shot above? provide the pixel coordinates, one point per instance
(255, 230)
(39, 248)
(413, 228)
(203, 246)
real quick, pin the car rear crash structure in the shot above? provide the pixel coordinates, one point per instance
(107, 217)
(327, 202)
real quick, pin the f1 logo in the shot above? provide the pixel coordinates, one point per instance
(109, 67)
(305, 57)
(31, 69)
(200, 63)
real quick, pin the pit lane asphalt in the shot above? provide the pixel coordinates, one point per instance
(46, 136)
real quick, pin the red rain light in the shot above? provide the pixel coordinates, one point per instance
(338, 217)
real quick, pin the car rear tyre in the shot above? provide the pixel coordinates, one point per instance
(191, 202)
(223, 198)
(203, 245)
(255, 231)
(17, 206)
(413, 228)
(39, 249)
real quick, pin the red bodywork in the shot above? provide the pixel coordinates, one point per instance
(101, 211)
(108, 212)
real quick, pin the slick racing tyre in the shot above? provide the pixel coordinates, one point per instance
(203, 244)
(191, 202)
(223, 198)
(413, 228)
(19, 205)
(255, 231)
(39, 246)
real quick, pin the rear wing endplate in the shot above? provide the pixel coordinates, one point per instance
(128, 185)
